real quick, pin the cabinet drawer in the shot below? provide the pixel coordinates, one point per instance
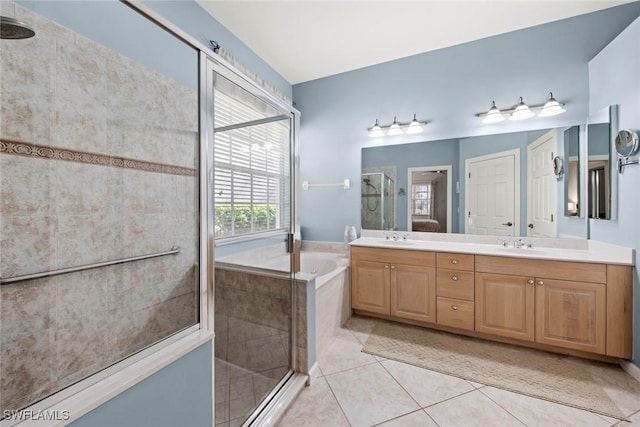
(455, 261)
(394, 256)
(455, 313)
(546, 269)
(455, 284)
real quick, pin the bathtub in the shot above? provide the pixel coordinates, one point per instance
(333, 291)
(332, 285)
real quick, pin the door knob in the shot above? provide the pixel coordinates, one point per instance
(454, 278)
(386, 266)
(508, 224)
(393, 267)
(530, 226)
(454, 261)
(454, 307)
(530, 281)
(540, 283)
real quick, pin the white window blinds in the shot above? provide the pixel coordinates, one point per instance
(251, 169)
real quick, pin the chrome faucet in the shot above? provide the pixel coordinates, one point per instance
(518, 243)
(504, 242)
(395, 237)
(530, 244)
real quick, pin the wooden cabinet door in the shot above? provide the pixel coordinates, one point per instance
(413, 292)
(571, 314)
(370, 286)
(505, 305)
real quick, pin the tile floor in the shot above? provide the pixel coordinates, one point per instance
(358, 389)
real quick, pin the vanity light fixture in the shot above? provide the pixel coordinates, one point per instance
(522, 111)
(397, 128)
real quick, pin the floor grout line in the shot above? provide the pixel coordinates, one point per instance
(502, 407)
(344, 414)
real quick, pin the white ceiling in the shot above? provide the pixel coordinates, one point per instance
(305, 40)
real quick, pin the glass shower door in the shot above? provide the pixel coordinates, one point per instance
(252, 212)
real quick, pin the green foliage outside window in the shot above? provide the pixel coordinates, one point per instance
(232, 222)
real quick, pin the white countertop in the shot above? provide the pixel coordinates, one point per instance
(556, 249)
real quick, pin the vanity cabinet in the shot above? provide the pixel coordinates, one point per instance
(392, 282)
(568, 306)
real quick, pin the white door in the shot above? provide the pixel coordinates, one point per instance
(492, 196)
(542, 186)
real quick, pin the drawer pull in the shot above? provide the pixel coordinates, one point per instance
(454, 278)
(393, 267)
(540, 282)
(454, 307)
(530, 281)
(454, 261)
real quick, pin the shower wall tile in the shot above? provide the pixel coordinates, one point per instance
(27, 244)
(27, 187)
(81, 329)
(27, 108)
(83, 239)
(27, 334)
(80, 98)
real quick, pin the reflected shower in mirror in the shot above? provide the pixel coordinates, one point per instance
(378, 201)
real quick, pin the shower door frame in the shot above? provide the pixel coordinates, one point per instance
(210, 67)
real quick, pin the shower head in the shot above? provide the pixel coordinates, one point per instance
(13, 29)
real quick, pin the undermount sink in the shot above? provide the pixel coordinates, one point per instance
(395, 242)
(523, 251)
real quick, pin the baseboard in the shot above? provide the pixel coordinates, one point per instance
(631, 369)
(313, 373)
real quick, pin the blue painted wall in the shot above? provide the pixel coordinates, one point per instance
(446, 87)
(178, 395)
(614, 79)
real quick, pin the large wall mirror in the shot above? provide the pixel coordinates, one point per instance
(501, 184)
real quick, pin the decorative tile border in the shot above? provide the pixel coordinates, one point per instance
(18, 148)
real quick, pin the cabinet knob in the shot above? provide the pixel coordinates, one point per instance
(386, 266)
(530, 281)
(454, 307)
(540, 282)
(454, 278)
(393, 267)
(454, 261)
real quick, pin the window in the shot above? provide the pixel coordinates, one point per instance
(422, 196)
(250, 164)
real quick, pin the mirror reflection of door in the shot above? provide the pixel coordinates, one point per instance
(430, 199)
(492, 196)
(598, 189)
(541, 187)
(572, 203)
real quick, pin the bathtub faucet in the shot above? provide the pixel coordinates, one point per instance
(395, 237)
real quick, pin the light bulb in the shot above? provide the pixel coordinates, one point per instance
(494, 115)
(521, 112)
(552, 107)
(375, 131)
(394, 129)
(415, 126)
